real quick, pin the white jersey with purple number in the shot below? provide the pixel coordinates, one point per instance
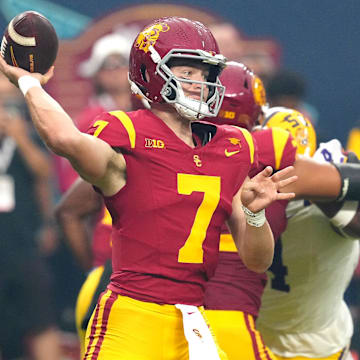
(303, 312)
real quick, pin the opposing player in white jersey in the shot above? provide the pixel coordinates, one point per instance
(303, 313)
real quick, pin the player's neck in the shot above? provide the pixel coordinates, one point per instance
(179, 125)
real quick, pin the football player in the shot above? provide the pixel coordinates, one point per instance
(233, 295)
(303, 313)
(170, 182)
(86, 225)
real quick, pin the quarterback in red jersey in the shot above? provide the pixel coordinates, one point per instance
(169, 182)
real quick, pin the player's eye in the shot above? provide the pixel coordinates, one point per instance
(186, 74)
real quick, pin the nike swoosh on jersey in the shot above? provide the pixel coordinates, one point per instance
(231, 153)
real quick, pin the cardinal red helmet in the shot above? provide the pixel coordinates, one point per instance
(167, 41)
(244, 96)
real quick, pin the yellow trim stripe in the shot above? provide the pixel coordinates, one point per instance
(280, 138)
(13, 57)
(128, 125)
(227, 243)
(263, 352)
(98, 324)
(107, 219)
(250, 141)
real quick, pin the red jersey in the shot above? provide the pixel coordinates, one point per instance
(101, 242)
(167, 219)
(234, 286)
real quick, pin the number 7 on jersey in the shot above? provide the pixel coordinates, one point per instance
(192, 251)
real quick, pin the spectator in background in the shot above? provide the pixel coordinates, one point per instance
(107, 68)
(27, 315)
(262, 56)
(229, 39)
(288, 89)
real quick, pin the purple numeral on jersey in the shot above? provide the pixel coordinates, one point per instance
(279, 270)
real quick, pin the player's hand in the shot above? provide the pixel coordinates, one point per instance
(261, 190)
(13, 73)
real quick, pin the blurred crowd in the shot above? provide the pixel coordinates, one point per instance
(43, 262)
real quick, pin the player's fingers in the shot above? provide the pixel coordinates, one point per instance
(283, 173)
(264, 174)
(285, 196)
(3, 65)
(254, 187)
(285, 182)
(48, 75)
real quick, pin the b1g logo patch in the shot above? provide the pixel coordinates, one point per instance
(154, 143)
(150, 35)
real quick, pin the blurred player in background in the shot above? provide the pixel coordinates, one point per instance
(151, 166)
(78, 208)
(28, 318)
(233, 295)
(353, 140)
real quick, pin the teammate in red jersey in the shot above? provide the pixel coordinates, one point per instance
(170, 182)
(233, 295)
(86, 224)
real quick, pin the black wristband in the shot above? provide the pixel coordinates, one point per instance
(350, 181)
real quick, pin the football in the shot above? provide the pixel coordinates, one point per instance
(30, 42)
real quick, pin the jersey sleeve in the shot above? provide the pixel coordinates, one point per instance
(116, 128)
(277, 148)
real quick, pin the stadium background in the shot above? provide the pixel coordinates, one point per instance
(319, 39)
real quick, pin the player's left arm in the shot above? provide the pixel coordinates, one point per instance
(79, 203)
(344, 215)
(250, 230)
(325, 181)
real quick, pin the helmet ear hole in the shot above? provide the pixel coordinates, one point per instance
(171, 94)
(144, 73)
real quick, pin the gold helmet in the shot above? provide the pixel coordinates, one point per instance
(298, 125)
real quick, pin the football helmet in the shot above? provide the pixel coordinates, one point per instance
(298, 125)
(244, 96)
(165, 41)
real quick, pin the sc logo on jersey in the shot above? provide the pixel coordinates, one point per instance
(154, 143)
